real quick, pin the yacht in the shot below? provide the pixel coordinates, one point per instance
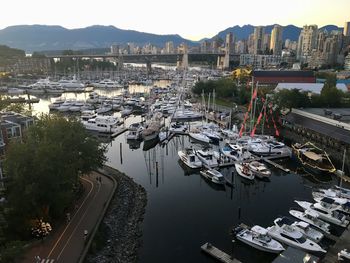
(300, 226)
(213, 175)
(235, 152)
(311, 217)
(103, 124)
(72, 85)
(269, 148)
(188, 156)
(258, 238)
(333, 203)
(104, 108)
(293, 238)
(341, 193)
(178, 128)
(207, 157)
(199, 137)
(243, 171)
(87, 115)
(332, 216)
(134, 135)
(106, 83)
(260, 170)
(151, 132)
(126, 111)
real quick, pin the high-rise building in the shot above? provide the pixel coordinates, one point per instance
(115, 49)
(276, 40)
(347, 29)
(306, 42)
(229, 43)
(266, 43)
(240, 47)
(347, 62)
(169, 47)
(250, 44)
(259, 33)
(205, 46)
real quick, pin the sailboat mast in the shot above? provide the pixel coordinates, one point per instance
(342, 169)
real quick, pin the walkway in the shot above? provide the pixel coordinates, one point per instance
(67, 243)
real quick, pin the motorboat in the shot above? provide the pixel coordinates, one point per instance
(106, 83)
(134, 135)
(103, 124)
(104, 108)
(244, 171)
(72, 85)
(333, 203)
(312, 218)
(126, 111)
(258, 238)
(213, 175)
(178, 128)
(87, 115)
(152, 131)
(135, 126)
(207, 157)
(301, 226)
(293, 238)
(235, 152)
(344, 255)
(269, 148)
(199, 137)
(332, 216)
(313, 158)
(335, 193)
(259, 169)
(189, 157)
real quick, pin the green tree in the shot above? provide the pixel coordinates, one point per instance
(45, 169)
(331, 96)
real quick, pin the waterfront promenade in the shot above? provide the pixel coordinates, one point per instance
(67, 242)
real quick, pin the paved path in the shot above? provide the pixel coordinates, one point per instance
(67, 242)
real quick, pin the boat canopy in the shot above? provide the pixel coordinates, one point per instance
(313, 156)
(259, 230)
(327, 200)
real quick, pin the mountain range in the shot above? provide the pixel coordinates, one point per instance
(42, 37)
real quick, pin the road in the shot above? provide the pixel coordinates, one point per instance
(67, 242)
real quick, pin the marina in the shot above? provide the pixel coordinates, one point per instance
(207, 179)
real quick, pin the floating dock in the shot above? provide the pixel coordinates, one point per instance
(116, 134)
(266, 160)
(342, 242)
(218, 254)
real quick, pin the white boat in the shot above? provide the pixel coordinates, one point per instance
(134, 135)
(104, 108)
(344, 255)
(106, 83)
(333, 193)
(213, 175)
(189, 157)
(135, 126)
(235, 152)
(333, 217)
(126, 111)
(312, 218)
(103, 124)
(243, 171)
(73, 85)
(343, 191)
(15, 91)
(207, 157)
(64, 107)
(301, 226)
(293, 238)
(259, 169)
(178, 128)
(258, 238)
(152, 131)
(87, 115)
(269, 148)
(333, 203)
(199, 137)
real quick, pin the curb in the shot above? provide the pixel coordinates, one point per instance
(103, 172)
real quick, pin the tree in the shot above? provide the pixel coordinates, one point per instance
(45, 169)
(331, 96)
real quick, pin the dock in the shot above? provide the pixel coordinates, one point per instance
(117, 133)
(286, 170)
(217, 253)
(342, 242)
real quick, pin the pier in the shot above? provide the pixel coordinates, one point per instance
(266, 160)
(342, 242)
(121, 131)
(218, 254)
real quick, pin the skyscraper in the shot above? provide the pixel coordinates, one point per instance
(276, 40)
(169, 47)
(259, 33)
(347, 29)
(306, 42)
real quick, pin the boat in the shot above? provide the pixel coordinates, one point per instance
(178, 128)
(103, 124)
(333, 203)
(259, 169)
(207, 157)
(258, 238)
(243, 171)
(126, 111)
(134, 135)
(313, 158)
(235, 152)
(334, 217)
(335, 193)
(151, 132)
(344, 255)
(312, 218)
(268, 148)
(87, 115)
(72, 85)
(213, 175)
(104, 108)
(301, 226)
(189, 157)
(199, 137)
(106, 83)
(293, 238)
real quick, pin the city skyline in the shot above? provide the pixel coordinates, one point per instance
(190, 20)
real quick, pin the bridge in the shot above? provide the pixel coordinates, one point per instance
(181, 59)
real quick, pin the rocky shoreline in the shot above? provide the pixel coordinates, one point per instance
(120, 231)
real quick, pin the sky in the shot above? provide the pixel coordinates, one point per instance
(191, 19)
